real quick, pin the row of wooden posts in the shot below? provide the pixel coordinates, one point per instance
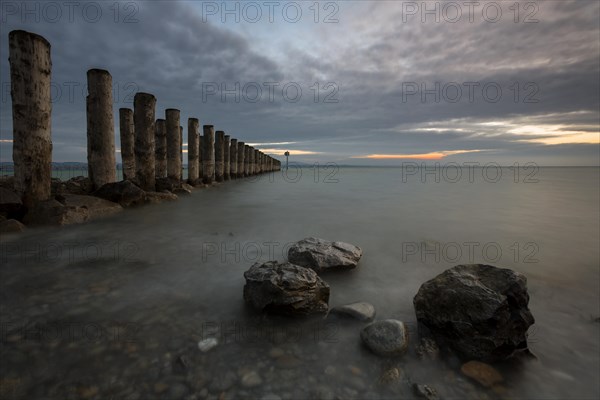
(150, 148)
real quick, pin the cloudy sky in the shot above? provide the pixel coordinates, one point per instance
(356, 82)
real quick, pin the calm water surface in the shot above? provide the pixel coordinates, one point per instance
(115, 308)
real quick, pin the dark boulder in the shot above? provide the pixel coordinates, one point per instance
(285, 288)
(53, 212)
(126, 193)
(479, 311)
(321, 255)
(11, 206)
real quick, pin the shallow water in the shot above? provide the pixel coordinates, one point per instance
(116, 307)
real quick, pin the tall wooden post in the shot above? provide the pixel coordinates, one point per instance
(193, 126)
(161, 148)
(240, 156)
(208, 154)
(30, 70)
(144, 119)
(127, 142)
(219, 155)
(233, 159)
(226, 157)
(173, 145)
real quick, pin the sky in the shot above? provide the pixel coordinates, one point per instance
(349, 82)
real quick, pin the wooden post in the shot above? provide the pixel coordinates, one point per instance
(246, 160)
(226, 157)
(144, 119)
(30, 70)
(193, 126)
(100, 128)
(240, 156)
(208, 154)
(200, 158)
(233, 159)
(181, 153)
(127, 142)
(161, 148)
(173, 145)
(219, 156)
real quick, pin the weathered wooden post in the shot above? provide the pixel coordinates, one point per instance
(173, 144)
(144, 120)
(219, 156)
(246, 160)
(261, 158)
(127, 142)
(161, 148)
(226, 157)
(200, 158)
(208, 154)
(30, 70)
(193, 126)
(240, 156)
(100, 128)
(181, 152)
(233, 159)
(256, 154)
(253, 157)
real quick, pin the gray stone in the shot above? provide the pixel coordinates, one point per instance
(177, 391)
(207, 344)
(321, 255)
(126, 193)
(11, 226)
(424, 392)
(360, 310)
(386, 338)
(285, 288)
(52, 212)
(96, 206)
(159, 197)
(479, 311)
(251, 379)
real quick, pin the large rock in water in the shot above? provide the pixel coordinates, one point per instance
(52, 212)
(321, 255)
(96, 206)
(285, 288)
(126, 193)
(479, 311)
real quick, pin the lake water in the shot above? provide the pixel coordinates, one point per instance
(115, 308)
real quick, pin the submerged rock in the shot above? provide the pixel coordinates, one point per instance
(207, 344)
(321, 255)
(126, 193)
(386, 338)
(424, 392)
(478, 310)
(285, 288)
(360, 310)
(11, 226)
(159, 197)
(484, 374)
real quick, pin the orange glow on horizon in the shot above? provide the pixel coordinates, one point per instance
(437, 155)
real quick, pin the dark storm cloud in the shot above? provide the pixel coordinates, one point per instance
(370, 56)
